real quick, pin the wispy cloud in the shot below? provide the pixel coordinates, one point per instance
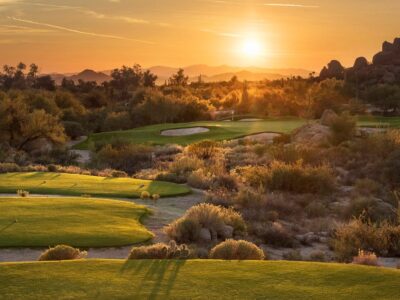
(15, 29)
(224, 34)
(76, 31)
(291, 5)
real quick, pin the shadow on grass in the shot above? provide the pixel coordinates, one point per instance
(7, 226)
(158, 276)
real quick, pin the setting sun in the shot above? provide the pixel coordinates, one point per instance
(252, 48)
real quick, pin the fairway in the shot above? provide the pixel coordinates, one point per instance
(206, 279)
(80, 222)
(77, 185)
(377, 121)
(223, 130)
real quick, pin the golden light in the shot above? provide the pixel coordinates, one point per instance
(252, 48)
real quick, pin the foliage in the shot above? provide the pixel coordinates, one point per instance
(161, 251)
(62, 252)
(237, 250)
(366, 258)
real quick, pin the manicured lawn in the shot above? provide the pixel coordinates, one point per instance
(117, 279)
(376, 121)
(81, 222)
(218, 131)
(76, 185)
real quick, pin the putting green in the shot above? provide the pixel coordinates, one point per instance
(206, 279)
(77, 185)
(80, 222)
(219, 131)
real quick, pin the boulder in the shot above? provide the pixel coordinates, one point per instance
(315, 134)
(328, 117)
(205, 235)
(360, 63)
(334, 70)
(227, 232)
(387, 47)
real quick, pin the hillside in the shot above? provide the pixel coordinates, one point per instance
(194, 279)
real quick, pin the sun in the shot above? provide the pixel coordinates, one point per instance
(252, 48)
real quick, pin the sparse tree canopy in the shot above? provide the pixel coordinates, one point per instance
(179, 79)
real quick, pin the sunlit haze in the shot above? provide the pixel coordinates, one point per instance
(67, 36)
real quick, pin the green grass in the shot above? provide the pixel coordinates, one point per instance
(76, 185)
(376, 121)
(218, 131)
(80, 222)
(117, 279)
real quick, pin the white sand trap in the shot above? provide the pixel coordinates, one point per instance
(184, 131)
(250, 120)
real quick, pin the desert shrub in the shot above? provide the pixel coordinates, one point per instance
(62, 252)
(274, 234)
(168, 150)
(343, 128)
(367, 187)
(23, 193)
(372, 209)
(171, 177)
(392, 168)
(294, 255)
(260, 150)
(316, 210)
(237, 250)
(144, 195)
(317, 256)
(161, 251)
(118, 174)
(203, 149)
(52, 168)
(200, 179)
(218, 222)
(225, 181)
(155, 197)
(9, 167)
(296, 177)
(185, 165)
(282, 139)
(365, 258)
(126, 157)
(381, 239)
(73, 129)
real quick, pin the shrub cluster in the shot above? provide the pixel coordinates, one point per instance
(161, 251)
(237, 250)
(206, 222)
(62, 252)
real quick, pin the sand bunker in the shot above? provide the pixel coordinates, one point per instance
(184, 131)
(266, 137)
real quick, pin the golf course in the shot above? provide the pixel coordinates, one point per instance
(80, 222)
(195, 279)
(216, 130)
(77, 185)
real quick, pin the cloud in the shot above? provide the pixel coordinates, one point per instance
(224, 34)
(15, 29)
(291, 5)
(62, 28)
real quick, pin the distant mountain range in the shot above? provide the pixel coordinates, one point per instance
(208, 74)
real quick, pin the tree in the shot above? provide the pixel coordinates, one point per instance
(244, 105)
(149, 79)
(45, 83)
(179, 79)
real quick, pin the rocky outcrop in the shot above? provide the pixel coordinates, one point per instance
(390, 54)
(333, 70)
(312, 134)
(360, 63)
(328, 117)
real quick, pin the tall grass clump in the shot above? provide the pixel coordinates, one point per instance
(237, 250)
(62, 252)
(161, 251)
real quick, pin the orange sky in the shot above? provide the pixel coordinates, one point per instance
(67, 36)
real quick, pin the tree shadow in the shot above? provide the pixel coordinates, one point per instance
(7, 226)
(159, 276)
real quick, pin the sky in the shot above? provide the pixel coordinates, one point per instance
(71, 35)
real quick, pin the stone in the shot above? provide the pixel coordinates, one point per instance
(328, 117)
(227, 232)
(360, 63)
(334, 70)
(205, 235)
(314, 134)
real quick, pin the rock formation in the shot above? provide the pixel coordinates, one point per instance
(334, 70)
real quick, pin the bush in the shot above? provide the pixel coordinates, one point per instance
(185, 165)
(294, 177)
(343, 128)
(161, 251)
(62, 252)
(52, 168)
(366, 258)
(9, 167)
(23, 193)
(373, 209)
(282, 139)
(144, 195)
(155, 197)
(294, 255)
(317, 256)
(206, 222)
(384, 240)
(203, 150)
(273, 234)
(118, 174)
(200, 179)
(237, 250)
